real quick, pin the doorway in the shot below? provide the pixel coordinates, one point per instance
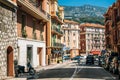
(40, 55)
(10, 61)
(29, 54)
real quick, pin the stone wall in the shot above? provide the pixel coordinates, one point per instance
(8, 36)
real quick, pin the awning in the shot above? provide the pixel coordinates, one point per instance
(95, 52)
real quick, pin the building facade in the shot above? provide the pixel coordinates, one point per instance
(71, 37)
(32, 21)
(55, 46)
(112, 27)
(8, 37)
(92, 38)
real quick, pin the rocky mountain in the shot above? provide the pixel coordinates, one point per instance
(85, 13)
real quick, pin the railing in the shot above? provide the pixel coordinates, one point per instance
(57, 13)
(39, 7)
(97, 44)
(56, 29)
(57, 44)
(96, 38)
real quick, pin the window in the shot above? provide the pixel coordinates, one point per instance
(64, 38)
(23, 21)
(23, 31)
(34, 28)
(74, 34)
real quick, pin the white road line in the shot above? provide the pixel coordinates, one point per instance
(76, 67)
(73, 73)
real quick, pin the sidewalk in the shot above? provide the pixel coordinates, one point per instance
(40, 69)
(51, 66)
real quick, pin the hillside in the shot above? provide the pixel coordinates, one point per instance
(85, 13)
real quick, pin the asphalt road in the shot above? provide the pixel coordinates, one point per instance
(75, 71)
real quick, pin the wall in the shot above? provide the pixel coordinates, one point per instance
(23, 43)
(8, 36)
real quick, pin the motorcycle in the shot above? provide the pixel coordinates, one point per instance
(21, 69)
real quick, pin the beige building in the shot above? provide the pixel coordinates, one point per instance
(71, 37)
(92, 38)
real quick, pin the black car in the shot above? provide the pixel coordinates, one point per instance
(90, 59)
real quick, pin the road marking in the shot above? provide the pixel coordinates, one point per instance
(73, 73)
(76, 68)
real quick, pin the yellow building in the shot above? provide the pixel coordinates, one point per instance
(54, 45)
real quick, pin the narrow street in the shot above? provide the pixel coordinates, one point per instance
(75, 71)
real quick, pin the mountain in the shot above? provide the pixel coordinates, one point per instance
(85, 13)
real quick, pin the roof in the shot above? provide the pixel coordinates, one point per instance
(92, 25)
(70, 21)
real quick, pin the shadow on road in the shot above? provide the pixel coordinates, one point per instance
(85, 71)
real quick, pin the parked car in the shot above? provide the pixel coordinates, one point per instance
(90, 59)
(66, 57)
(76, 58)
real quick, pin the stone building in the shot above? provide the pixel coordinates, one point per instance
(71, 37)
(8, 37)
(92, 38)
(112, 27)
(33, 21)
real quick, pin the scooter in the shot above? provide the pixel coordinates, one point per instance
(31, 70)
(21, 69)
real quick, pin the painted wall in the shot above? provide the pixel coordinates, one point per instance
(23, 43)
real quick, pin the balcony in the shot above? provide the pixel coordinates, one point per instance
(97, 44)
(96, 38)
(55, 15)
(31, 7)
(55, 44)
(57, 31)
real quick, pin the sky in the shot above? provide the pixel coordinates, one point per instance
(102, 3)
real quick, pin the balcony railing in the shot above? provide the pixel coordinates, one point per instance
(96, 38)
(39, 7)
(56, 29)
(57, 44)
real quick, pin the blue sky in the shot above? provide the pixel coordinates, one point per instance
(102, 3)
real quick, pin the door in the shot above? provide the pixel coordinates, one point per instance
(40, 56)
(10, 61)
(29, 54)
